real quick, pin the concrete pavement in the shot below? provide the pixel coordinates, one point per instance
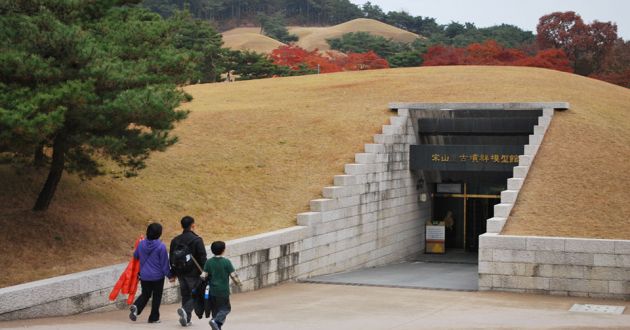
(422, 275)
(320, 306)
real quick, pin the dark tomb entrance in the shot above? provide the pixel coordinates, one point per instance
(464, 215)
(466, 157)
(450, 210)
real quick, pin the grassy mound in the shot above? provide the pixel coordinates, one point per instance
(249, 39)
(312, 37)
(253, 154)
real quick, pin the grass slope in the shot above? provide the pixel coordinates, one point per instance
(249, 39)
(252, 155)
(312, 37)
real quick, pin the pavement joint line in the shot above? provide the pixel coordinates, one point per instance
(382, 286)
(445, 262)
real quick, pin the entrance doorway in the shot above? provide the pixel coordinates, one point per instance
(464, 215)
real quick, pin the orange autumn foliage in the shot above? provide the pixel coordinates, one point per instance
(296, 57)
(365, 61)
(554, 59)
(617, 78)
(439, 55)
(491, 53)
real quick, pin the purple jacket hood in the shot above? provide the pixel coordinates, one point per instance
(153, 257)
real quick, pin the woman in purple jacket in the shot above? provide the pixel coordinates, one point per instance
(154, 266)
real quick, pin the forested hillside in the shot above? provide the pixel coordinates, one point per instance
(231, 13)
(227, 14)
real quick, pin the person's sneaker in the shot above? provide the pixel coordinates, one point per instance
(156, 321)
(214, 325)
(133, 313)
(183, 318)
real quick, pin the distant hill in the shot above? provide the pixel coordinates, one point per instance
(313, 37)
(249, 39)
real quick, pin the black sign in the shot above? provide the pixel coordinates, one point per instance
(478, 126)
(496, 158)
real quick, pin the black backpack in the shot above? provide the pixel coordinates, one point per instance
(182, 258)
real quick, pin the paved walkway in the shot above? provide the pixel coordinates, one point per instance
(299, 306)
(457, 256)
(424, 275)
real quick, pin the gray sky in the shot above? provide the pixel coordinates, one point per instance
(522, 13)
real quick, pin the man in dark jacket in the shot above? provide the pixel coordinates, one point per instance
(188, 275)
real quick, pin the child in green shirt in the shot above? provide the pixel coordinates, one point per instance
(218, 270)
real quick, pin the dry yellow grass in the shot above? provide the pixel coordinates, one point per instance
(249, 39)
(252, 154)
(312, 37)
(315, 37)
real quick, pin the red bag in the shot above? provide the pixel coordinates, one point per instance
(128, 280)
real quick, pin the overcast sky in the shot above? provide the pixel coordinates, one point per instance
(522, 13)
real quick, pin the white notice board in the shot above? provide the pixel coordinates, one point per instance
(435, 233)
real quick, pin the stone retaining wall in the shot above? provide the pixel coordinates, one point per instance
(559, 266)
(550, 265)
(371, 216)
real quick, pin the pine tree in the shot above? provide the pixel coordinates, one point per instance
(87, 81)
(202, 41)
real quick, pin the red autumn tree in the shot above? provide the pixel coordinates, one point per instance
(321, 63)
(559, 30)
(617, 78)
(510, 55)
(586, 45)
(482, 54)
(365, 61)
(601, 41)
(554, 59)
(491, 53)
(291, 56)
(619, 58)
(616, 68)
(443, 55)
(294, 56)
(340, 59)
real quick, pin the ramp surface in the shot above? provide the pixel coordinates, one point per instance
(419, 275)
(318, 306)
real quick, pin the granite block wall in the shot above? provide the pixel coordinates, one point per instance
(370, 217)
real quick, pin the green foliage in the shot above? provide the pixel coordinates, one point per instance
(274, 27)
(362, 42)
(508, 36)
(87, 80)
(339, 11)
(373, 11)
(398, 54)
(165, 8)
(407, 58)
(248, 65)
(231, 13)
(202, 41)
(423, 26)
(462, 35)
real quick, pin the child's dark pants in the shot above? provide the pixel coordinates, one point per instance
(220, 309)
